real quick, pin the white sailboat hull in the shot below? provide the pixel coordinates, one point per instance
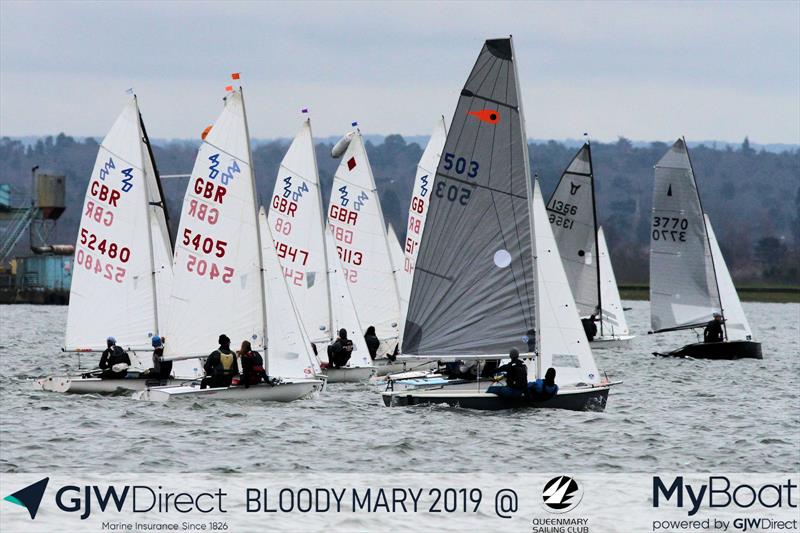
(349, 375)
(287, 391)
(92, 385)
(612, 341)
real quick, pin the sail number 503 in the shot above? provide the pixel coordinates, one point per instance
(458, 165)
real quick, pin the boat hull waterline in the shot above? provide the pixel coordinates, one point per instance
(582, 399)
(618, 341)
(95, 385)
(349, 374)
(726, 350)
(285, 391)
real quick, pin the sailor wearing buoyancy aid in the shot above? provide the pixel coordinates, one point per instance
(221, 365)
(544, 389)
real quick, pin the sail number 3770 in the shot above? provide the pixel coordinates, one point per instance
(462, 167)
(670, 229)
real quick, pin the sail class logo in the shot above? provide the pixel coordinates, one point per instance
(487, 115)
(561, 494)
(30, 497)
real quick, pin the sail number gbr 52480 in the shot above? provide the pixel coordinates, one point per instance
(453, 191)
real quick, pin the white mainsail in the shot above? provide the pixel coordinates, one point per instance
(123, 255)
(403, 277)
(736, 324)
(571, 211)
(217, 283)
(343, 311)
(296, 221)
(356, 220)
(683, 286)
(289, 352)
(614, 322)
(561, 340)
(420, 196)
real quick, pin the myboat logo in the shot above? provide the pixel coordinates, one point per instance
(561, 494)
(30, 497)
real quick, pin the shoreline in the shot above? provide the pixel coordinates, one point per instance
(784, 294)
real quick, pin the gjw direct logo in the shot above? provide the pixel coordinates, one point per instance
(561, 494)
(30, 497)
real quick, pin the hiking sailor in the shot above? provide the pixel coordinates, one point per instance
(115, 361)
(253, 371)
(713, 331)
(340, 351)
(161, 369)
(544, 389)
(373, 342)
(220, 366)
(516, 377)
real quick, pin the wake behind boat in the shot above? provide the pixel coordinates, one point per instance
(123, 266)
(488, 275)
(690, 285)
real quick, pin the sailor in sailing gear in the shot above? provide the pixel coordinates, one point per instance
(161, 369)
(713, 331)
(115, 361)
(516, 377)
(220, 366)
(373, 342)
(589, 326)
(340, 351)
(253, 371)
(544, 389)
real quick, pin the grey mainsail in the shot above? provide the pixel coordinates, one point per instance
(473, 289)
(572, 217)
(683, 287)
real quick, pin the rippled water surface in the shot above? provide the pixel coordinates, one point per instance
(670, 414)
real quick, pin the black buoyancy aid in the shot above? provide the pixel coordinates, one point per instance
(517, 376)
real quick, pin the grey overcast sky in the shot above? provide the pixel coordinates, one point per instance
(644, 70)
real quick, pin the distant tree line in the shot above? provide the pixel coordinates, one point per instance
(752, 197)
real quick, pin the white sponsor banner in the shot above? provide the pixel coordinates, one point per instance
(540, 503)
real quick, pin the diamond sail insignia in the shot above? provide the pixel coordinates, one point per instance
(683, 285)
(473, 288)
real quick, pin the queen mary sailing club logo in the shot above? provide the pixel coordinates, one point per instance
(561, 494)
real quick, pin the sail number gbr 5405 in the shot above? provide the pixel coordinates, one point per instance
(460, 166)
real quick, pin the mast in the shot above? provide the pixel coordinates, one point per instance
(323, 226)
(258, 235)
(147, 212)
(708, 240)
(596, 240)
(529, 194)
(161, 203)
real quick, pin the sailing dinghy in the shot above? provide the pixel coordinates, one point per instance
(488, 276)
(573, 217)
(356, 220)
(689, 280)
(123, 260)
(220, 274)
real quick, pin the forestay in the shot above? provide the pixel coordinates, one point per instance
(296, 221)
(288, 352)
(572, 217)
(473, 289)
(736, 324)
(683, 288)
(217, 286)
(358, 226)
(122, 247)
(343, 311)
(562, 342)
(614, 322)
